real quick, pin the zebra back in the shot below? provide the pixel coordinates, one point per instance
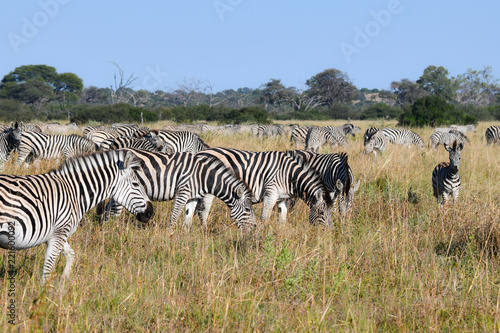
(125, 142)
(492, 135)
(183, 141)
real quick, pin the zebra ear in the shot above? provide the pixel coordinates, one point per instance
(356, 186)
(129, 162)
(339, 185)
(12, 124)
(447, 147)
(460, 146)
(240, 191)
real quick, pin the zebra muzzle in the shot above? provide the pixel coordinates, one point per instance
(147, 214)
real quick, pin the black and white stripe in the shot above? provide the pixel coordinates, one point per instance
(439, 137)
(274, 177)
(182, 141)
(445, 177)
(189, 179)
(10, 140)
(402, 136)
(318, 136)
(335, 173)
(47, 208)
(125, 142)
(374, 141)
(492, 135)
(269, 130)
(41, 146)
(298, 136)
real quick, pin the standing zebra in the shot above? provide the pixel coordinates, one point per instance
(318, 136)
(274, 177)
(188, 178)
(439, 137)
(97, 136)
(445, 177)
(183, 141)
(36, 145)
(335, 173)
(269, 130)
(375, 141)
(9, 140)
(403, 136)
(47, 208)
(492, 135)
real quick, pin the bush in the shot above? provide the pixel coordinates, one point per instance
(380, 110)
(434, 111)
(11, 110)
(111, 114)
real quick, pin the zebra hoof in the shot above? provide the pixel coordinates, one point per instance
(147, 214)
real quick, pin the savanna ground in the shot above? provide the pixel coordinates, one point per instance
(397, 263)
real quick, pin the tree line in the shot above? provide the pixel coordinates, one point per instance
(39, 92)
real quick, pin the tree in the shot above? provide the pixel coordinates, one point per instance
(44, 73)
(121, 92)
(406, 92)
(331, 87)
(477, 87)
(275, 93)
(435, 81)
(33, 92)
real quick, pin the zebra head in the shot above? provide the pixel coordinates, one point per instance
(15, 135)
(321, 210)
(128, 191)
(344, 189)
(454, 152)
(241, 208)
(374, 141)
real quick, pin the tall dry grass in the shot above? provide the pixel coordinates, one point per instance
(399, 262)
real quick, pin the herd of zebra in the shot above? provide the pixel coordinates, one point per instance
(132, 165)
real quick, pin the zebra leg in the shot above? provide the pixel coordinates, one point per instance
(190, 209)
(54, 247)
(70, 259)
(179, 203)
(203, 208)
(282, 211)
(446, 198)
(269, 202)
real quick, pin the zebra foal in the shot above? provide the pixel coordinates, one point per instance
(47, 208)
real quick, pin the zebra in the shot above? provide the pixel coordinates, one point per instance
(374, 140)
(464, 128)
(88, 129)
(98, 136)
(492, 135)
(58, 128)
(42, 146)
(298, 136)
(274, 177)
(9, 141)
(445, 177)
(47, 208)
(31, 127)
(403, 136)
(188, 178)
(340, 134)
(317, 136)
(336, 174)
(449, 137)
(269, 130)
(124, 142)
(183, 141)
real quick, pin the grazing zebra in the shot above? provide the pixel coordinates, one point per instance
(124, 142)
(188, 178)
(445, 177)
(492, 135)
(298, 136)
(273, 178)
(269, 130)
(404, 137)
(340, 134)
(449, 137)
(375, 141)
(183, 141)
(317, 137)
(464, 128)
(41, 146)
(9, 140)
(335, 173)
(47, 208)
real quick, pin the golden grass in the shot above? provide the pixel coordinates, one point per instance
(393, 265)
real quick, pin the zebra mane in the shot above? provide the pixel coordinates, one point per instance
(101, 159)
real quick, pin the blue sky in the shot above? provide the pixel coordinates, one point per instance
(243, 43)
